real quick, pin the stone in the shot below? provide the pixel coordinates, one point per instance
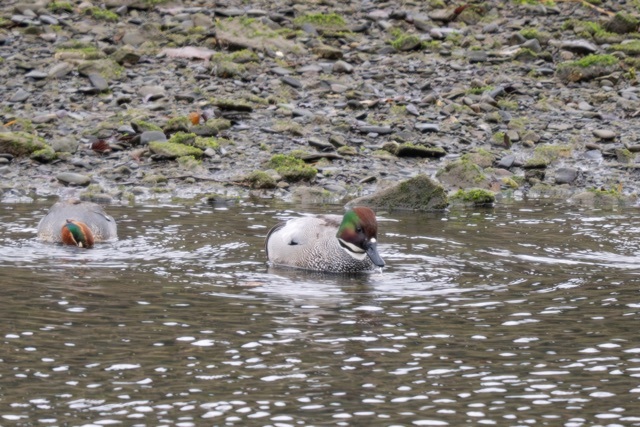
(98, 82)
(152, 135)
(419, 193)
(64, 144)
(604, 134)
(566, 175)
(73, 179)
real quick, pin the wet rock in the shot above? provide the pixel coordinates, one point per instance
(419, 193)
(566, 175)
(73, 179)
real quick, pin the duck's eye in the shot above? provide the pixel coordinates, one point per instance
(359, 229)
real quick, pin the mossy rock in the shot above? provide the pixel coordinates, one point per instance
(144, 126)
(172, 150)
(587, 68)
(631, 48)
(260, 180)
(603, 198)
(323, 22)
(474, 196)
(622, 23)
(292, 169)
(44, 155)
(204, 143)
(463, 173)
(183, 138)
(406, 42)
(21, 143)
(218, 124)
(482, 158)
(226, 104)
(544, 155)
(177, 124)
(107, 68)
(413, 150)
(419, 193)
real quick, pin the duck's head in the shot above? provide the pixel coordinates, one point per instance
(358, 234)
(77, 233)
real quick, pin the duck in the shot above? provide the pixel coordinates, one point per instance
(327, 243)
(77, 223)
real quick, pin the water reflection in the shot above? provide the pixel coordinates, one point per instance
(517, 315)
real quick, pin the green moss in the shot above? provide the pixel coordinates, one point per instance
(60, 6)
(594, 60)
(183, 138)
(630, 48)
(143, 126)
(83, 50)
(507, 104)
(243, 56)
(476, 196)
(44, 155)
(218, 124)
(346, 150)
(172, 150)
(232, 104)
(324, 20)
(290, 127)
(21, 143)
(544, 155)
(154, 179)
(548, 3)
(405, 42)
(204, 143)
(189, 162)
(260, 180)
(480, 90)
(103, 14)
(529, 33)
(291, 168)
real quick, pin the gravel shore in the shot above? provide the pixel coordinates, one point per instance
(318, 101)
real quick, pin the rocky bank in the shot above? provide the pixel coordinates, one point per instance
(318, 101)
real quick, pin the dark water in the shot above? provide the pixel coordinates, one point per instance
(519, 315)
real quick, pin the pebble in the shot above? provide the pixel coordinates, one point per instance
(566, 175)
(73, 179)
(604, 134)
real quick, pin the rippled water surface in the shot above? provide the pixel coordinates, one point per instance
(524, 314)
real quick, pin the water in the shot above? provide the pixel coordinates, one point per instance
(525, 314)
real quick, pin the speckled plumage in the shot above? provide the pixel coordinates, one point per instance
(102, 226)
(312, 242)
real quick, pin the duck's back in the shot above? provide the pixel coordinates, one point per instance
(102, 225)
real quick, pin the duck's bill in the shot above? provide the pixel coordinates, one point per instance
(374, 256)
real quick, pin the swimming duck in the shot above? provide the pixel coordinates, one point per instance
(77, 223)
(328, 243)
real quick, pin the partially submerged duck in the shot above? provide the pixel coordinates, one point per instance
(77, 223)
(328, 243)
